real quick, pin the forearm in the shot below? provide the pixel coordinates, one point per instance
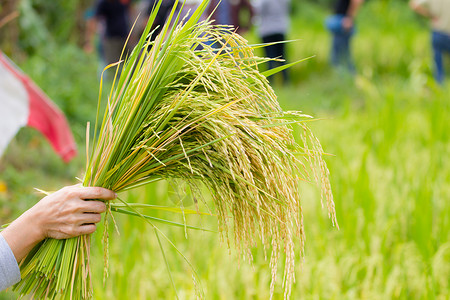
(421, 10)
(61, 215)
(9, 269)
(91, 28)
(23, 234)
(353, 8)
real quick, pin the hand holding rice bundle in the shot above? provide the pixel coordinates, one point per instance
(192, 105)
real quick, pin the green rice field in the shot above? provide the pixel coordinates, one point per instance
(386, 131)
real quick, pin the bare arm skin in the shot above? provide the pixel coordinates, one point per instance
(423, 11)
(420, 9)
(347, 22)
(61, 215)
(91, 29)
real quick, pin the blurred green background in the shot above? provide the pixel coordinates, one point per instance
(386, 128)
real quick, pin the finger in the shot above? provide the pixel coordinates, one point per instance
(89, 218)
(86, 229)
(80, 219)
(92, 206)
(96, 193)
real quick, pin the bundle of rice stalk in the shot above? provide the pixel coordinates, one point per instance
(192, 105)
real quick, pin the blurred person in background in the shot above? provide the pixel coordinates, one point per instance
(221, 12)
(115, 16)
(189, 7)
(187, 11)
(438, 11)
(342, 27)
(161, 16)
(272, 25)
(61, 215)
(241, 13)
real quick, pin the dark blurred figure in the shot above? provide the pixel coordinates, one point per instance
(161, 16)
(273, 24)
(241, 15)
(221, 12)
(189, 7)
(439, 13)
(115, 16)
(342, 27)
(91, 28)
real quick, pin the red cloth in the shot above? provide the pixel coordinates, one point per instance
(44, 115)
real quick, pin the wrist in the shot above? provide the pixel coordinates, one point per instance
(23, 234)
(347, 22)
(33, 225)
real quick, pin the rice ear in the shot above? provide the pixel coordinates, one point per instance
(184, 109)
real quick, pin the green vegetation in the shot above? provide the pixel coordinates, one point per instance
(184, 110)
(387, 131)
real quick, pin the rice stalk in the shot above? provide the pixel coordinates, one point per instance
(184, 109)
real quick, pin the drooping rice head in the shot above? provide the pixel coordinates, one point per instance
(193, 105)
(214, 118)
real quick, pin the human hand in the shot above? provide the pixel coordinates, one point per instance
(66, 213)
(347, 23)
(434, 21)
(88, 48)
(63, 214)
